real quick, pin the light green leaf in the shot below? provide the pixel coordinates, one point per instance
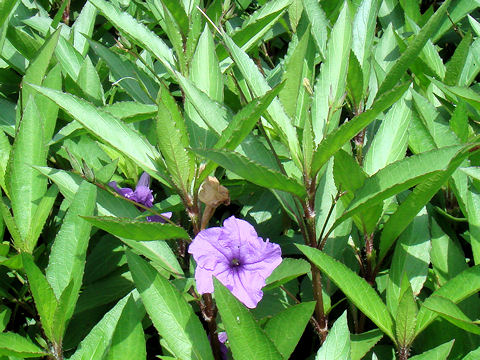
(67, 257)
(26, 185)
(172, 316)
(364, 24)
(360, 344)
(451, 312)
(127, 75)
(418, 198)
(90, 84)
(413, 50)
(286, 327)
(337, 344)
(128, 341)
(289, 269)
(41, 215)
(252, 171)
(338, 137)
(473, 216)
(99, 340)
(37, 69)
(400, 176)
(110, 130)
(319, 24)
(406, 318)
(457, 289)
(136, 229)
(457, 61)
(439, 353)
(411, 259)
(258, 85)
(390, 141)
(45, 300)
(12, 344)
(330, 86)
(173, 141)
(10, 224)
(354, 287)
(138, 32)
(247, 340)
(84, 26)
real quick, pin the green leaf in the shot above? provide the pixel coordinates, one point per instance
(288, 269)
(457, 61)
(457, 289)
(399, 176)
(440, 352)
(286, 327)
(137, 31)
(337, 138)
(41, 215)
(109, 129)
(472, 355)
(26, 185)
(12, 344)
(259, 86)
(99, 340)
(355, 80)
(364, 24)
(172, 316)
(413, 50)
(136, 229)
(10, 223)
(37, 69)
(178, 14)
(473, 216)
(390, 141)
(319, 24)
(331, 83)
(419, 197)
(126, 75)
(406, 317)
(89, 81)
(337, 344)
(108, 205)
(240, 126)
(128, 341)
(358, 291)
(173, 141)
(451, 312)
(251, 171)
(67, 257)
(45, 300)
(6, 7)
(247, 340)
(83, 28)
(360, 344)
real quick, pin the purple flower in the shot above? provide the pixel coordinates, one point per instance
(222, 337)
(142, 195)
(237, 257)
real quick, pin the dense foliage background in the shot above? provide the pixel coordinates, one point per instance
(346, 132)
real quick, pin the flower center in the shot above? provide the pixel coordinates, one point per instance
(235, 262)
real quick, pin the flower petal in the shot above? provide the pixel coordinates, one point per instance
(144, 180)
(125, 192)
(206, 249)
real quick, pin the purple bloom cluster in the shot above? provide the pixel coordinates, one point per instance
(237, 257)
(142, 195)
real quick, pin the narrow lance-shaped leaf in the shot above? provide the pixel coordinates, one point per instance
(354, 287)
(337, 138)
(173, 141)
(13, 344)
(110, 130)
(26, 185)
(67, 257)
(412, 51)
(337, 344)
(240, 126)
(138, 230)
(252, 171)
(246, 338)
(137, 31)
(171, 315)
